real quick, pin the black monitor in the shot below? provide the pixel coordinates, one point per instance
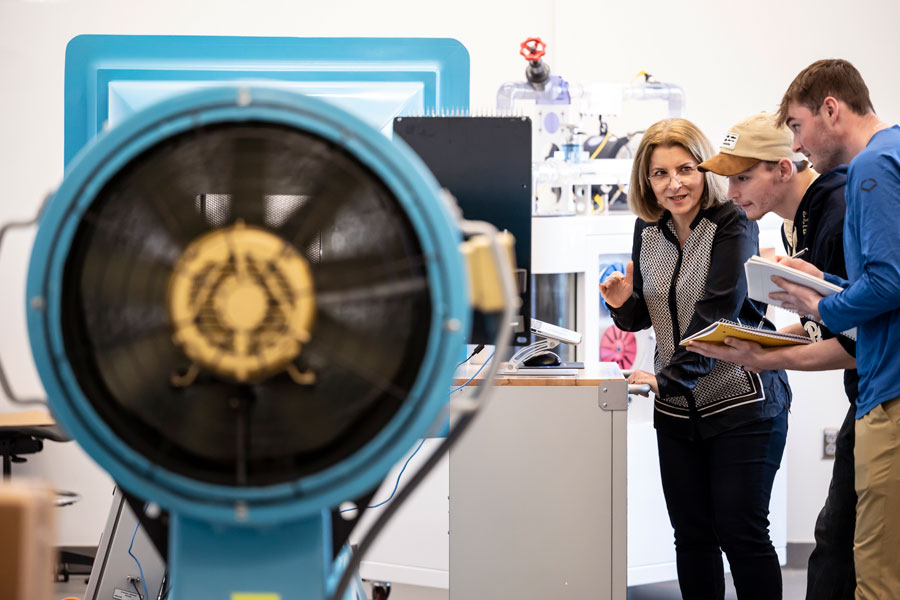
(485, 162)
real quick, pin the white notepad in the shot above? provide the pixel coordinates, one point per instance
(759, 283)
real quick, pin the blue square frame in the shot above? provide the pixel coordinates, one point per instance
(119, 72)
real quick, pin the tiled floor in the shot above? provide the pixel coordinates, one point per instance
(794, 589)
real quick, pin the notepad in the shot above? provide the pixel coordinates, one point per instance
(759, 283)
(718, 331)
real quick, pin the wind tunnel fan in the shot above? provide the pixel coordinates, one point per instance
(246, 305)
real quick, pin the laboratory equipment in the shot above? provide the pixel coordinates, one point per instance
(245, 303)
(485, 162)
(582, 161)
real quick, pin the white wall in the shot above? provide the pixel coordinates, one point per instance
(731, 58)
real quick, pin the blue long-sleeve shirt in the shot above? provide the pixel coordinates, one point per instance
(871, 300)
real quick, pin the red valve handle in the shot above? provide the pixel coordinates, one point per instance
(533, 53)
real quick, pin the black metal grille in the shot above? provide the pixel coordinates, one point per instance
(373, 308)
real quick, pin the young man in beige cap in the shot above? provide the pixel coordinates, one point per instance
(764, 176)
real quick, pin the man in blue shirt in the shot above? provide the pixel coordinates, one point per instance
(827, 108)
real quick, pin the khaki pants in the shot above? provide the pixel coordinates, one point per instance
(876, 545)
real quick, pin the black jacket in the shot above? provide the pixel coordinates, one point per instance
(819, 227)
(681, 291)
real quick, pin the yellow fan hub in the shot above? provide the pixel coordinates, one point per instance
(242, 302)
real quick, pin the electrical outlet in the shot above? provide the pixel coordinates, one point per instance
(829, 442)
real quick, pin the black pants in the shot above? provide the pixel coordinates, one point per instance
(717, 491)
(831, 575)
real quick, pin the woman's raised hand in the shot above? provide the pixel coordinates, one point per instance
(617, 288)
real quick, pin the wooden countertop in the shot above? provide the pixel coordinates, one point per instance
(592, 375)
(29, 418)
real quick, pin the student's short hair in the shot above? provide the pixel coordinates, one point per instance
(833, 77)
(668, 133)
(800, 165)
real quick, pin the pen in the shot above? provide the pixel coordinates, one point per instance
(799, 253)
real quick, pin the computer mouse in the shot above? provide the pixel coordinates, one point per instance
(545, 359)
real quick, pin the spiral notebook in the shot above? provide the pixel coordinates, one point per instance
(759, 283)
(718, 331)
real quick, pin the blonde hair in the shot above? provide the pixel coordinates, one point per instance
(671, 132)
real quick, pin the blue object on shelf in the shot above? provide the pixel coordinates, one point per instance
(604, 274)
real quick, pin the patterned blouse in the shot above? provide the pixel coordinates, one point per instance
(679, 291)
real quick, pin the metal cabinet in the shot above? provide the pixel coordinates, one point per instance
(537, 497)
(537, 492)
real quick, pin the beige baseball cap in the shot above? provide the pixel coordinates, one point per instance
(754, 139)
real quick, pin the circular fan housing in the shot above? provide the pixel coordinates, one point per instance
(246, 302)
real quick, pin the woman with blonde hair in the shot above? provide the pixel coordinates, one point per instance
(720, 429)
